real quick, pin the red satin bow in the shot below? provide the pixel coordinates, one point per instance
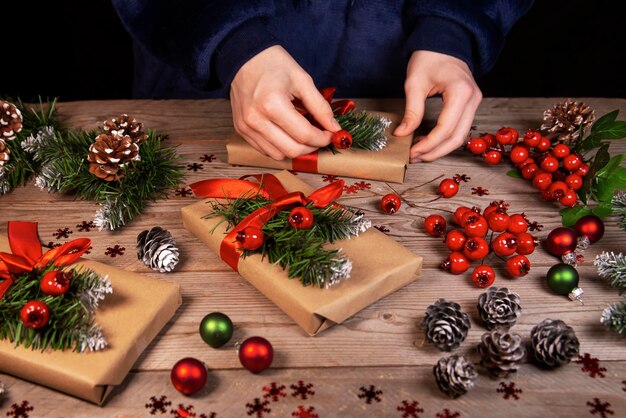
(27, 255)
(270, 187)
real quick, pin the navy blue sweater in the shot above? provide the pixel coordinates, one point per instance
(193, 48)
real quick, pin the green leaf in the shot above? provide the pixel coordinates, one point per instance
(569, 216)
(606, 186)
(600, 160)
(604, 121)
(602, 210)
(515, 173)
(617, 130)
(611, 166)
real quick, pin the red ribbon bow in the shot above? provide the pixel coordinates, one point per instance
(27, 255)
(268, 186)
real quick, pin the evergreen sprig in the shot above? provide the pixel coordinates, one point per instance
(367, 130)
(618, 204)
(612, 267)
(614, 317)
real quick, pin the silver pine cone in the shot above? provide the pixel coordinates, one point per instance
(455, 375)
(501, 352)
(554, 343)
(498, 307)
(157, 249)
(565, 120)
(445, 324)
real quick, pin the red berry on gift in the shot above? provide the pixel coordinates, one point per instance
(458, 214)
(569, 199)
(504, 244)
(490, 139)
(532, 138)
(574, 181)
(342, 139)
(507, 136)
(456, 263)
(35, 314)
(560, 151)
(529, 171)
(250, 238)
(583, 170)
(448, 188)
(542, 180)
(544, 144)
(483, 276)
(476, 248)
(519, 154)
(477, 145)
(498, 221)
(557, 190)
(455, 240)
(55, 283)
(435, 225)
(517, 224)
(475, 225)
(301, 218)
(526, 243)
(492, 157)
(572, 162)
(390, 203)
(550, 164)
(518, 266)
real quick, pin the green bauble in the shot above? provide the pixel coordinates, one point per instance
(216, 329)
(562, 278)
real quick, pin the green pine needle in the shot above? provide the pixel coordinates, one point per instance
(614, 317)
(367, 130)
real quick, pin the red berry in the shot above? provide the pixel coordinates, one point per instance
(532, 138)
(524, 163)
(435, 225)
(544, 144)
(572, 162)
(456, 263)
(35, 314)
(476, 248)
(542, 180)
(517, 224)
(301, 218)
(475, 225)
(55, 283)
(560, 174)
(455, 240)
(504, 244)
(477, 145)
(250, 238)
(448, 188)
(492, 157)
(529, 171)
(550, 164)
(526, 243)
(574, 181)
(560, 151)
(483, 276)
(583, 170)
(490, 139)
(390, 203)
(458, 214)
(557, 190)
(342, 139)
(507, 136)
(569, 199)
(519, 154)
(498, 221)
(518, 266)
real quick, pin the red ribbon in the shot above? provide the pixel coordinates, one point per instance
(269, 186)
(27, 255)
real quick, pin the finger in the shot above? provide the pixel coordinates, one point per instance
(273, 134)
(315, 103)
(253, 139)
(283, 114)
(257, 141)
(415, 102)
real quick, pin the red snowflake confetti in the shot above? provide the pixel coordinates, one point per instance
(183, 411)
(158, 404)
(207, 158)
(51, 244)
(62, 233)
(363, 185)
(258, 408)
(115, 251)
(183, 192)
(601, 408)
(21, 410)
(580, 258)
(195, 167)
(86, 226)
(329, 178)
(532, 226)
(461, 177)
(591, 365)
(88, 250)
(446, 413)
(350, 189)
(301, 390)
(371, 394)
(304, 413)
(509, 390)
(500, 205)
(480, 191)
(382, 228)
(274, 392)
(410, 410)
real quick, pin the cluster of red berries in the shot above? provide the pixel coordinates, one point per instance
(553, 169)
(450, 186)
(468, 244)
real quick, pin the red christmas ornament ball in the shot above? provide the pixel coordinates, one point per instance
(390, 203)
(301, 218)
(256, 354)
(250, 238)
(342, 139)
(188, 375)
(35, 314)
(561, 240)
(55, 283)
(590, 226)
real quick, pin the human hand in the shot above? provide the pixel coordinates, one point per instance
(261, 97)
(429, 73)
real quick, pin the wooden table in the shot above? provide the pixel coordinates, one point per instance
(382, 347)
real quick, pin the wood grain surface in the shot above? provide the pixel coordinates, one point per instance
(381, 345)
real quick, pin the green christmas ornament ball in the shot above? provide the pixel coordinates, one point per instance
(562, 278)
(216, 329)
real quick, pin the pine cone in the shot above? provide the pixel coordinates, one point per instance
(4, 153)
(157, 249)
(10, 120)
(554, 343)
(109, 154)
(445, 325)
(455, 375)
(565, 119)
(501, 352)
(126, 125)
(499, 308)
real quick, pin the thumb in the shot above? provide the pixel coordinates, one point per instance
(414, 112)
(317, 106)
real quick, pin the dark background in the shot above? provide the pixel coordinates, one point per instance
(572, 48)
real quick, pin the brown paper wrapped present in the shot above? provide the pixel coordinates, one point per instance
(387, 164)
(380, 266)
(130, 318)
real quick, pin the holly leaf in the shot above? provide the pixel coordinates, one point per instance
(515, 173)
(600, 160)
(569, 216)
(604, 128)
(609, 169)
(604, 121)
(602, 210)
(606, 186)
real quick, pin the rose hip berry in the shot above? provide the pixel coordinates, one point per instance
(448, 188)
(435, 225)
(492, 157)
(507, 136)
(518, 266)
(455, 240)
(483, 276)
(477, 146)
(476, 248)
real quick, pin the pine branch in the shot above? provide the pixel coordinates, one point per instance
(367, 130)
(618, 204)
(613, 268)
(614, 317)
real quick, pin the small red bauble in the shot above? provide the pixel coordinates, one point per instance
(507, 136)
(498, 221)
(476, 248)
(448, 188)
(560, 151)
(591, 227)
(475, 225)
(490, 139)
(519, 154)
(301, 218)
(456, 263)
(250, 238)
(504, 244)
(458, 214)
(529, 171)
(544, 144)
(477, 145)
(526, 243)
(550, 164)
(583, 170)
(55, 283)
(483, 276)
(574, 181)
(435, 225)
(569, 199)
(390, 203)
(256, 354)
(492, 157)
(455, 240)
(35, 314)
(561, 240)
(518, 266)
(188, 375)
(532, 138)
(342, 139)
(542, 180)
(517, 224)
(572, 162)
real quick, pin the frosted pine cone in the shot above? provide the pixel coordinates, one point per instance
(565, 120)
(109, 154)
(4, 153)
(157, 249)
(554, 343)
(126, 125)
(501, 352)
(10, 120)
(445, 325)
(454, 375)
(498, 307)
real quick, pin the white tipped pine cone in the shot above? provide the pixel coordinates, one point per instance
(455, 375)
(4, 153)
(10, 120)
(554, 343)
(109, 154)
(565, 120)
(157, 249)
(501, 352)
(445, 324)
(126, 125)
(498, 307)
